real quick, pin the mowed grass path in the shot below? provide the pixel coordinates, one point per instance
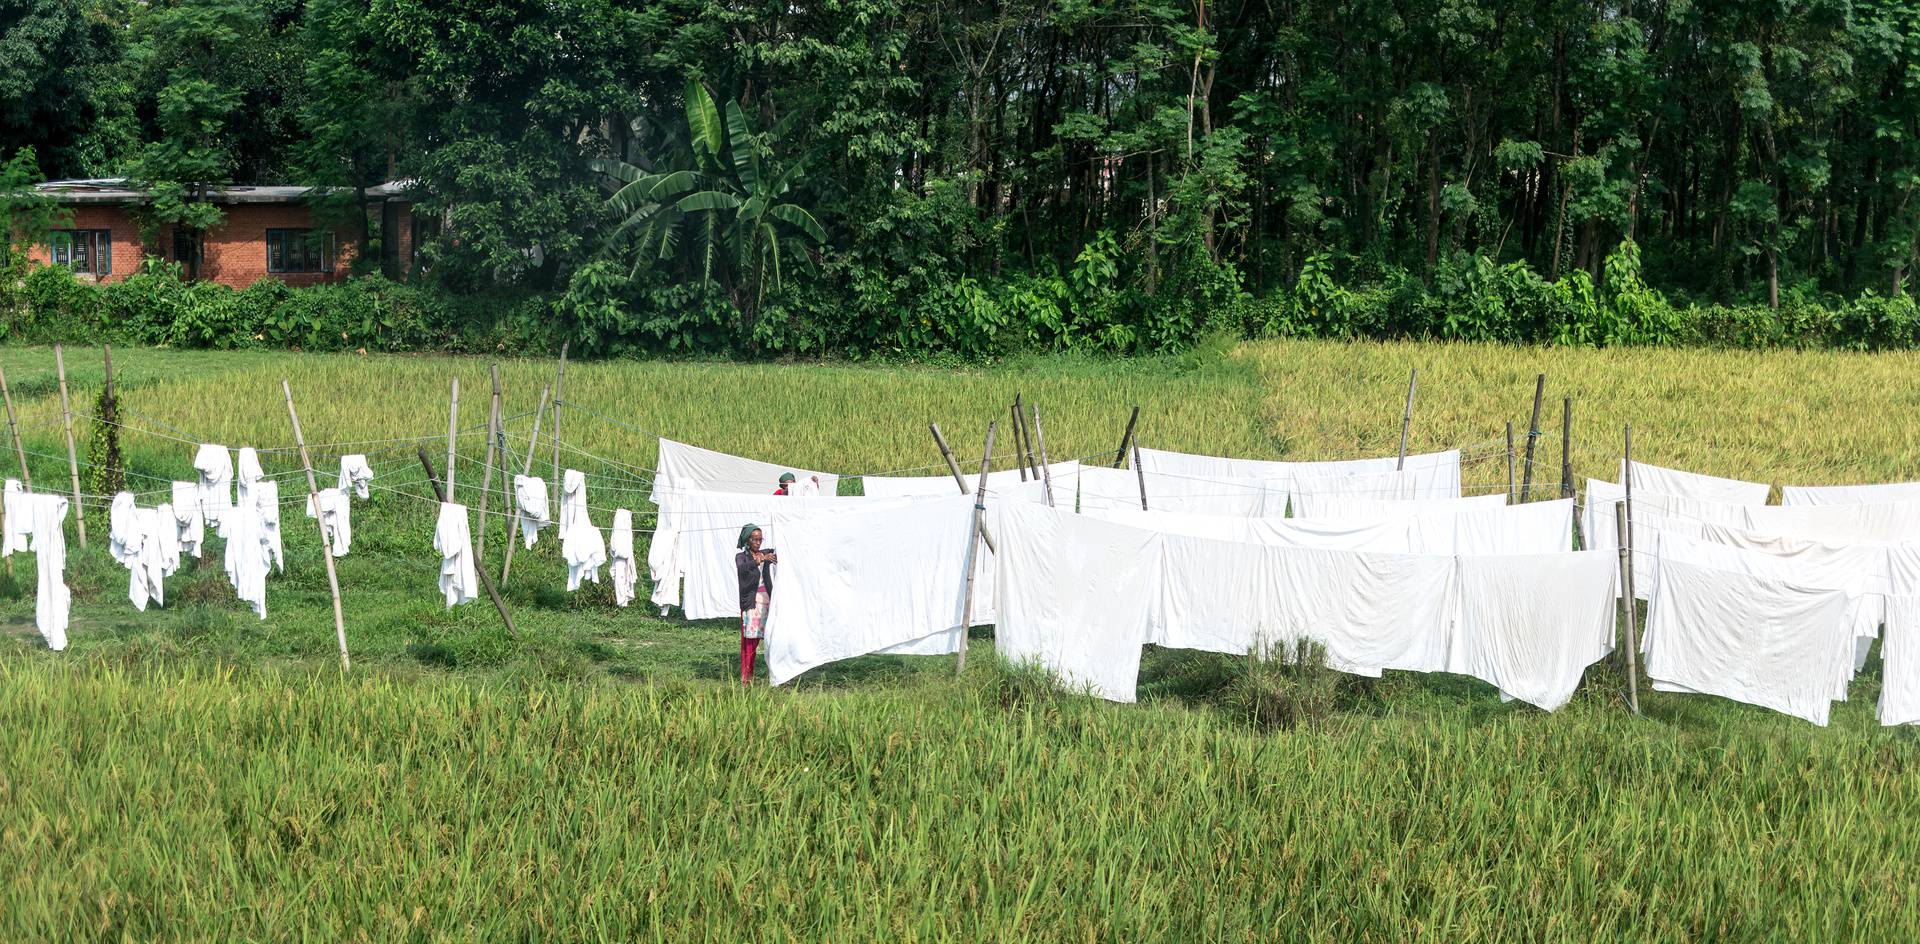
(195, 773)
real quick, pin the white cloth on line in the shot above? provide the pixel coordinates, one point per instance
(1363, 507)
(888, 579)
(122, 541)
(1684, 484)
(1427, 483)
(246, 473)
(581, 544)
(1879, 523)
(1602, 531)
(154, 555)
(621, 568)
(1533, 528)
(1900, 662)
(52, 601)
(266, 494)
(530, 504)
(453, 539)
(1075, 595)
(1876, 494)
(1530, 625)
(189, 522)
(18, 512)
(248, 555)
(1390, 537)
(335, 513)
(1104, 489)
(1371, 611)
(355, 475)
(215, 465)
(1066, 484)
(683, 468)
(1440, 470)
(1750, 639)
(695, 538)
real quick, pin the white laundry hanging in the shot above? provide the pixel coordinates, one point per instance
(1363, 508)
(155, 558)
(189, 522)
(248, 556)
(1530, 624)
(888, 580)
(215, 465)
(246, 474)
(453, 539)
(1683, 484)
(1751, 639)
(355, 475)
(53, 601)
(1900, 662)
(581, 544)
(18, 512)
(691, 468)
(122, 541)
(530, 504)
(1445, 483)
(1876, 494)
(1533, 528)
(335, 513)
(1065, 475)
(266, 495)
(1104, 489)
(620, 564)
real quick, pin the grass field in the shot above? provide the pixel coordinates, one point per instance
(195, 773)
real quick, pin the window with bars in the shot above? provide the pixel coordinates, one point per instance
(87, 251)
(299, 250)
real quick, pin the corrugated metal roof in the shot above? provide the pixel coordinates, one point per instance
(114, 190)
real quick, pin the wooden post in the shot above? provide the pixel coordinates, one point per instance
(1014, 409)
(453, 431)
(486, 471)
(973, 547)
(19, 448)
(1566, 447)
(1022, 439)
(1126, 438)
(73, 458)
(1406, 418)
(1533, 436)
(1509, 462)
(1627, 608)
(559, 382)
(326, 544)
(1626, 477)
(1046, 474)
(959, 479)
(485, 580)
(513, 518)
(1141, 474)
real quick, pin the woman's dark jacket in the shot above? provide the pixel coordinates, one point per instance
(752, 576)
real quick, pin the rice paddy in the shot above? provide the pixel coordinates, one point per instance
(193, 773)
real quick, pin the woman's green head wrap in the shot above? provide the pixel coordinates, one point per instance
(746, 533)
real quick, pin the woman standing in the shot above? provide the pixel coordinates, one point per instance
(755, 568)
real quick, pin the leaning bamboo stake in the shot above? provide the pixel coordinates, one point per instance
(1627, 608)
(326, 544)
(486, 470)
(453, 432)
(19, 448)
(559, 383)
(1509, 462)
(959, 479)
(1406, 418)
(1046, 474)
(1626, 477)
(1126, 438)
(485, 580)
(73, 458)
(1533, 436)
(513, 519)
(1566, 443)
(1140, 473)
(1022, 439)
(1014, 408)
(973, 549)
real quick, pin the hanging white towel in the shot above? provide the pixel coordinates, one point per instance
(1900, 662)
(1533, 528)
(1066, 484)
(19, 514)
(122, 541)
(163, 525)
(690, 468)
(1531, 624)
(1103, 489)
(1437, 473)
(189, 523)
(530, 503)
(581, 544)
(266, 495)
(1683, 484)
(889, 580)
(620, 563)
(453, 539)
(1751, 639)
(215, 465)
(355, 474)
(335, 514)
(248, 558)
(1602, 531)
(1363, 508)
(154, 555)
(1877, 494)
(246, 474)
(53, 601)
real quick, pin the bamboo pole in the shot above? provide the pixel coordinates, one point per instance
(486, 470)
(1046, 474)
(559, 383)
(19, 448)
(953, 466)
(1509, 462)
(1141, 474)
(973, 549)
(326, 544)
(1566, 445)
(1022, 440)
(485, 580)
(1406, 418)
(1533, 436)
(1126, 438)
(513, 520)
(1014, 409)
(73, 458)
(1626, 477)
(453, 432)
(1627, 608)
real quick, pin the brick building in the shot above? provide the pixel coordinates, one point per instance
(266, 232)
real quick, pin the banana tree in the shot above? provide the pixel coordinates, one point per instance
(725, 200)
